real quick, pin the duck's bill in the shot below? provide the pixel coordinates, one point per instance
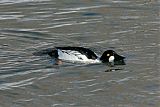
(117, 60)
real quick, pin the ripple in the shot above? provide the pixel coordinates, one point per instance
(66, 12)
(6, 2)
(120, 1)
(45, 76)
(88, 95)
(96, 90)
(74, 23)
(91, 14)
(84, 8)
(124, 79)
(24, 100)
(16, 84)
(94, 84)
(55, 105)
(130, 17)
(7, 17)
(90, 80)
(124, 31)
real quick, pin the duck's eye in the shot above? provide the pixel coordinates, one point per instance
(108, 54)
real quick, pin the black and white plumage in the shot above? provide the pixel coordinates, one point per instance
(83, 55)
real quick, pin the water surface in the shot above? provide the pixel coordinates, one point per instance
(131, 28)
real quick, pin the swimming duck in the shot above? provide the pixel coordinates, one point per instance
(83, 55)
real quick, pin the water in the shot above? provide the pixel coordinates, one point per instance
(131, 28)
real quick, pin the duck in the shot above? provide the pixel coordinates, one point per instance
(82, 55)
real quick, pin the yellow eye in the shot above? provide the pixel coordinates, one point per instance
(108, 54)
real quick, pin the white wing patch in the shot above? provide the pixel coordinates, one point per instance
(74, 56)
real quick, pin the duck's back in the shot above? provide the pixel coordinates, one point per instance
(79, 50)
(76, 54)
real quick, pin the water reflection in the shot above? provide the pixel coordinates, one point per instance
(113, 69)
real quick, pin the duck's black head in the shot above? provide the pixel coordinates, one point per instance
(111, 56)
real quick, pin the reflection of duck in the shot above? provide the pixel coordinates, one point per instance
(82, 55)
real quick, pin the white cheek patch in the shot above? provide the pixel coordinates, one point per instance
(111, 59)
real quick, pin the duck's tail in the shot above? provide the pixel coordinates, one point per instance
(50, 51)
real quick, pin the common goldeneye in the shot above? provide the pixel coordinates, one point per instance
(82, 55)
